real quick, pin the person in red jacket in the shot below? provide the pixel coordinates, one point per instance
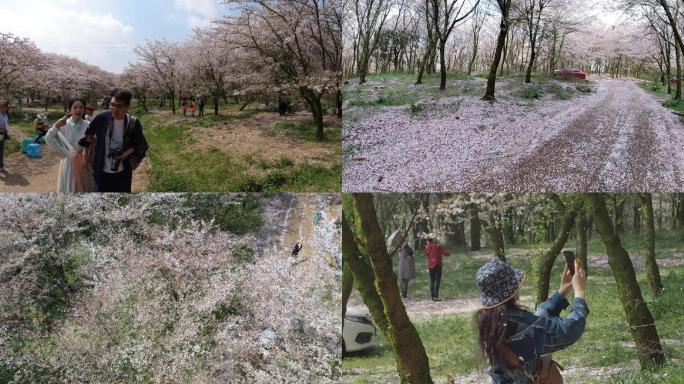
(434, 252)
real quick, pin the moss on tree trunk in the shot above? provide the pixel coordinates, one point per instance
(547, 260)
(652, 272)
(475, 225)
(401, 333)
(641, 323)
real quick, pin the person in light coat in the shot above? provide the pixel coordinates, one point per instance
(407, 268)
(64, 136)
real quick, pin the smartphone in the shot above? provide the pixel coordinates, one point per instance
(570, 260)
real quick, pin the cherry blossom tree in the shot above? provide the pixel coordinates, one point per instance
(165, 288)
(297, 42)
(160, 60)
(212, 62)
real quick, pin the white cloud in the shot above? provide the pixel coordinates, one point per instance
(70, 29)
(207, 8)
(200, 12)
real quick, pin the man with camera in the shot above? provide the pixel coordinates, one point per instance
(120, 144)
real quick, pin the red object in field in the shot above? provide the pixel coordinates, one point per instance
(571, 73)
(674, 81)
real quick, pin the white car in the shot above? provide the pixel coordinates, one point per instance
(359, 332)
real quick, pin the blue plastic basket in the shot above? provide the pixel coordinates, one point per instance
(34, 150)
(25, 143)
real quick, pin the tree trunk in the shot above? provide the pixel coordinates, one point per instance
(582, 228)
(641, 323)
(408, 346)
(442, 65)
(424, 62)
(458, 238)
(496, 237)
(338, 102)
(216, 106)
(172, 99)
(619, 206)
(473, 57)
(530, 65)
(548, 259)
(347, 287)
(678, 59)
(651, 266)
(314, 101)
(680, 213)
(475, 228)
(503, 32)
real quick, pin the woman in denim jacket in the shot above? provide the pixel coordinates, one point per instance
(502, 323)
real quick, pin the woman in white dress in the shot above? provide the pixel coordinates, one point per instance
(74, 172)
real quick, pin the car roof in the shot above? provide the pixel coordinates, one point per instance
(357, 311)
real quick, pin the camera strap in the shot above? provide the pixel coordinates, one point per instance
(110, 128)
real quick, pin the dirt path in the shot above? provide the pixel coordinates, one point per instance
(30, 175)
(40, 174)
(423, 309)
(625, 141)
(617, 139)
(306, 217)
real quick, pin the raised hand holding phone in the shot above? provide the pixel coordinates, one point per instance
(570, 260)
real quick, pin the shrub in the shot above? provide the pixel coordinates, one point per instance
(531, 92)
(416, 108)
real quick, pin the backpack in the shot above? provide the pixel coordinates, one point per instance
(548, 371)
(140, 151)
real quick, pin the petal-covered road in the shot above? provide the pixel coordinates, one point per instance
(619, 139)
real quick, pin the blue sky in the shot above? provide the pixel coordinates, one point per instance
(104, 33)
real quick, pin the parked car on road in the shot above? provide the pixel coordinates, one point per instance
(359, 332)
(573, 73)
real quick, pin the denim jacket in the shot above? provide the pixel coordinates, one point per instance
(531, 335)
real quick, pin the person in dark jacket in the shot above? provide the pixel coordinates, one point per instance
(512, 339)
(201, 106)
(119, 144)
(296, 249)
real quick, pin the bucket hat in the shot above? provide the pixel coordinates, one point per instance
(498, 282)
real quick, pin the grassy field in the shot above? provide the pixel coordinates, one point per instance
(604, 354)
(398, 88)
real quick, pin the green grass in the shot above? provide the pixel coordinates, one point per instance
(397, 88)
(21, 125)
(239, 217)
(174, 167)
(660, 91)
(450, 339)
(305, 131)
(532, 92)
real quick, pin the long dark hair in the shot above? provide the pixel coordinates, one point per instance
(491, 329)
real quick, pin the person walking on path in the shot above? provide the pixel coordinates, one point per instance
(201, 106)
(515, 342)
(296, 249)
(407, 268)
(434, 253)
(184, 106)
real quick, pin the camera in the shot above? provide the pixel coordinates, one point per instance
(114, 155)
